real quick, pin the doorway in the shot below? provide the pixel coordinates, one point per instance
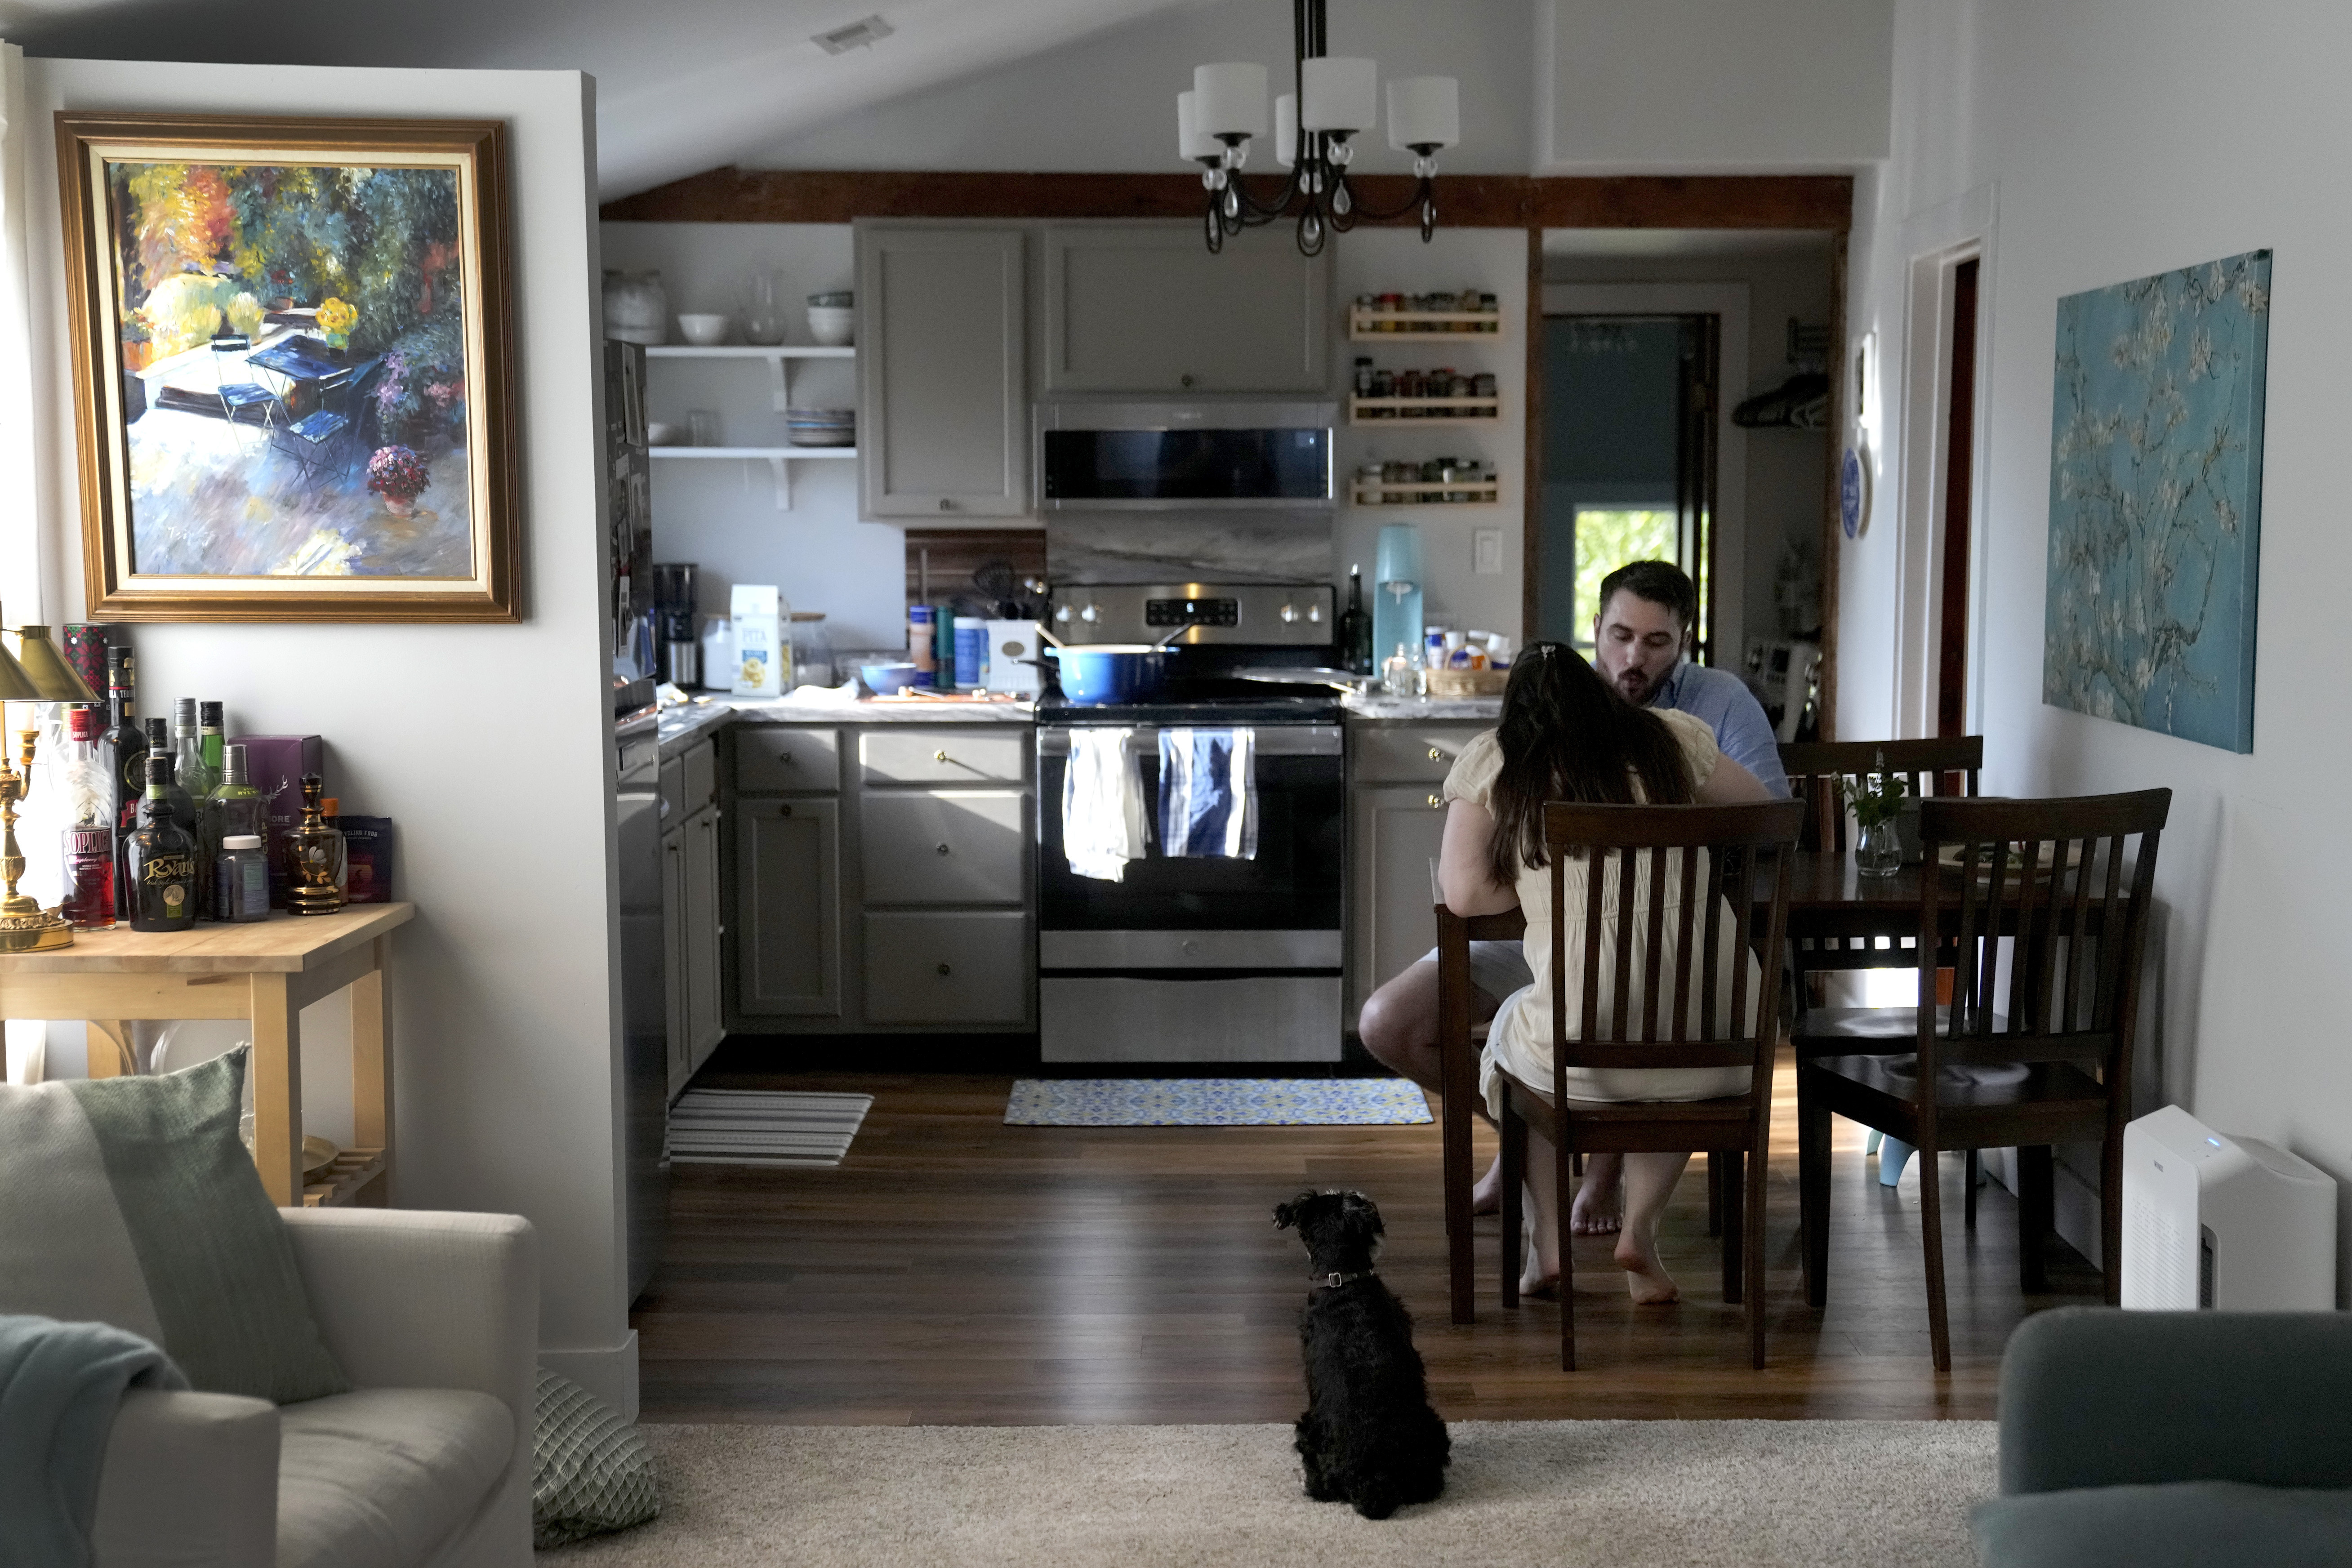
(1629, 460)
(1960, 470)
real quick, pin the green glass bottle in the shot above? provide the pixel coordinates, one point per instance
(235, 806)
(159, 859)
(210, 740)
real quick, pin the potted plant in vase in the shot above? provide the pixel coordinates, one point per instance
(1877, 800)
(335, 318)
(399, 474)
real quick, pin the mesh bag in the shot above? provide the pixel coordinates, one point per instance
(590, 1470)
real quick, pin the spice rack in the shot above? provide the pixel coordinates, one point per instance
(1387, 411)
(1428, 492)
(1371, 325)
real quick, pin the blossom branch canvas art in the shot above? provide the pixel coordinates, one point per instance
(2155, 474)
(291, 367)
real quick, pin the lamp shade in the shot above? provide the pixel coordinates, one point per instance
(1286, 130)
(52, 679)
(1190, 142)
(1424, 111)
(1229, 100)
(1339, 94)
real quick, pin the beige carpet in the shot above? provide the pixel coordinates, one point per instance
(1613, 1494)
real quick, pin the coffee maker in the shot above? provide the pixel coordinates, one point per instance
(677, 641)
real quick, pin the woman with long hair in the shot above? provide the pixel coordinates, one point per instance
(1566, 735)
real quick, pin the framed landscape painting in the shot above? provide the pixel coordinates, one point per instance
(290, 345)
(2156, 501)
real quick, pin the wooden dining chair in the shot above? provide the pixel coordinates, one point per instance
(1458, 1038)
(1729, 868)
(2047, 1060)
(1947, 767)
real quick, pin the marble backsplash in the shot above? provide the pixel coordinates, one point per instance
(1180, 547)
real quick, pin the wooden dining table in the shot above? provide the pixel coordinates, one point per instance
(1828, 897)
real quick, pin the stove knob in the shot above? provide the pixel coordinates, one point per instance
(1091, 614)
(1289, 613)
(1062, 614)
(1314, 614)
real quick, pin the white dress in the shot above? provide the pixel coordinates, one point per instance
(1520, 1040)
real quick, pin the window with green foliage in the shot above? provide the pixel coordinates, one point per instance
(1606, 539)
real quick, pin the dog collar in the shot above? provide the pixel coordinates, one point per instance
(1334, 1279)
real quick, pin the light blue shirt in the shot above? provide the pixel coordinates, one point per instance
(1722, 700)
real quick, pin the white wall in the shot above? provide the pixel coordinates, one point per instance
(723, 515)
(488, 745)
(1703, 84)
(1109, 101)
(2124, 138)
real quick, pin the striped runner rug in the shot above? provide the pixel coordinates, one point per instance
(1214, 1102)
(764, 1127)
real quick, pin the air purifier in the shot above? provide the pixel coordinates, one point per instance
(2210, 1220)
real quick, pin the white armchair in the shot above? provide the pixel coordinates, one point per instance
(425, 1464)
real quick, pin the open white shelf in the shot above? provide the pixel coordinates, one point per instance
(770, 452)
(744, 351)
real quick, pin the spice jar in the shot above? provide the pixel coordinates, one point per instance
(1363, 375)
(1483, 385)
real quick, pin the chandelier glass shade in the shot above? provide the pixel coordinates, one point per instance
(1333, 99)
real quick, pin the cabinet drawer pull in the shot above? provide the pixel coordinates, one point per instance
(786, 810)
(945, 968)
(943, 848)
(939, 756)
(1436, 755)
(791, 761)
(946, 505)
(1437, 800)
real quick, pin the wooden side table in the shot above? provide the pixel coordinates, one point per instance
(266, 973)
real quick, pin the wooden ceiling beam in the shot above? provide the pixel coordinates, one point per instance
(1464, 201)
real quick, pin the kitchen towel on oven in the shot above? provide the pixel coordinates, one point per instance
(1102, 803)
(1208, 792)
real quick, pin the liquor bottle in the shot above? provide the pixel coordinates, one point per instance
(159, 860)
(188, 753)
(183, 809)
(234, 808)
(87, 781)
(316, 854)
(125, 745)
(1356, 626)
(210, 740)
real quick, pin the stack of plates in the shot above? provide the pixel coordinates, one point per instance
(821, 427)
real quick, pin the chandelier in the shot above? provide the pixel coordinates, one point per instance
(1335, 98)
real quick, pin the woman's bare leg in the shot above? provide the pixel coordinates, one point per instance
(1649, 1181)
(1541, 1275)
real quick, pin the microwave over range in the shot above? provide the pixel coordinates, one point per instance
(1201, 455)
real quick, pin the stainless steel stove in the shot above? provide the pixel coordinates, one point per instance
(1197, 958)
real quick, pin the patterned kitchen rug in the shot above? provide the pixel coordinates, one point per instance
(764, 1127)
(1214, 1102)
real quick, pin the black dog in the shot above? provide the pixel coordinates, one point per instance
(1369, 1437)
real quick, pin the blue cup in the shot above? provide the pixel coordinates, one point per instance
(971, 651)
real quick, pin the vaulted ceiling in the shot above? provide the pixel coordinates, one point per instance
(682, 85)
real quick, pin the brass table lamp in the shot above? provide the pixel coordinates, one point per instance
(36, 673)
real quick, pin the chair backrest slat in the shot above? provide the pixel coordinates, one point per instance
(1653, 893)
(1687, 905)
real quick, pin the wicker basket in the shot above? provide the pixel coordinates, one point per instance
(1468, 682)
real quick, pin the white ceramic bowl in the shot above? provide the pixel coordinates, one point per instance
(703, 330)
(832, 326)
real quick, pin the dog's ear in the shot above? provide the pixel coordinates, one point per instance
(1287, 1214)
(1360, 1215)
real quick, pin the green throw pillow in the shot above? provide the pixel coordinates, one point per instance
(131, 1201)
(590, 1470)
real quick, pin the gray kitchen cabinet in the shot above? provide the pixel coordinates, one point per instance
(943, 371)
(944, 847)
(1396, 822)
(701, 1011)
(967, 753)
(788, 906)
(957, 969)
(1144, 307)
(678, 1030)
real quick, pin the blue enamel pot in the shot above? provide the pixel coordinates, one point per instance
(1109, 672)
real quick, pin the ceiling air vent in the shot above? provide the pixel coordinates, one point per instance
(855, 35)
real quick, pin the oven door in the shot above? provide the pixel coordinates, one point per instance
(1293, 884)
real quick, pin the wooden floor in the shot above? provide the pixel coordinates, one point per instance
(955, 1270)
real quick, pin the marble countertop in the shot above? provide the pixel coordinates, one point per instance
(679, 726)
(1410, 707)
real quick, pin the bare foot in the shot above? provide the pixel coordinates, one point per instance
(1487, 1197)
(1595, 1210)
(1538, 1285)
(1646, 1278)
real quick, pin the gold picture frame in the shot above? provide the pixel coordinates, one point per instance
(287, 335)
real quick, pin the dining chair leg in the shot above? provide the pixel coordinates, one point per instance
(1714, 1193)
(1752, 1222)
(1969, 1179)
(2111, 1214)
(1514, 1176)
(2036, 1203)
(1813, 1191)
(1461, 1259)
(1735, 1235)
(1562, 1237)
(1931, 1238)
